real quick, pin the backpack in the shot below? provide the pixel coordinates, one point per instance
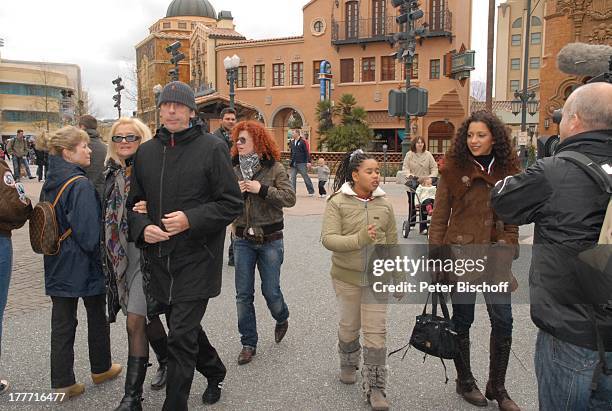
(44, 232)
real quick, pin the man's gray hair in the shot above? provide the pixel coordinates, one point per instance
(592, 103)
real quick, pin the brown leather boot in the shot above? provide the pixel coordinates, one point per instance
(499, 355)
(466, 383)
(350, 355)
(374, 378)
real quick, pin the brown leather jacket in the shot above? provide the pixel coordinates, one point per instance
(463, 216)
(15, 207)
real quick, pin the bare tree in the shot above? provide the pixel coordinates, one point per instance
(478, 90)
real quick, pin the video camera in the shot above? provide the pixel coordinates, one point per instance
(578, 59)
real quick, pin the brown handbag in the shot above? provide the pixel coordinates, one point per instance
(44, 232)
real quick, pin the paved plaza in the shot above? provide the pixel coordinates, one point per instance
(301, 372)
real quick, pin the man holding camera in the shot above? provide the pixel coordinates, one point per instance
(573, 355)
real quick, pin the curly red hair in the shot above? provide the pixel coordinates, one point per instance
(263, 141)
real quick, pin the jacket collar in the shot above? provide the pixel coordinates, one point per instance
(460, 177)
(348, 190)
(92, 133)
(264, 160)
(60, 170)
(168, 138)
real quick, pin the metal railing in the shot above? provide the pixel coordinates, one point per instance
(381, 29)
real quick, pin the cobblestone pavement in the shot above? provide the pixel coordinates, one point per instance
(300, 373)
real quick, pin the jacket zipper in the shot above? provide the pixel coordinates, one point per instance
(365, 251)
(161, 197)
(171, 280)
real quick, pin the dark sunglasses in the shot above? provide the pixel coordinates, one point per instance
(241, 140)
(130, 138)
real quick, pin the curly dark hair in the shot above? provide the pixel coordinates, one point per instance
(350, 162)
(505, 155)
(263, 141)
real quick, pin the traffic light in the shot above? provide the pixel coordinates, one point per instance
(176, 57)
(117, 97)
(416, 101)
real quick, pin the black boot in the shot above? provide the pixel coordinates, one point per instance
(466, 383)
(134, 378)
(160, 347)
(499, 355)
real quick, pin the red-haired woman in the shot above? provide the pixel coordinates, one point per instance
(259, 231)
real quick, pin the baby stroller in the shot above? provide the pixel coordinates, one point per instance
(422, 212)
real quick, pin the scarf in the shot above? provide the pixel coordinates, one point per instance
(116, 229)
(249, 165)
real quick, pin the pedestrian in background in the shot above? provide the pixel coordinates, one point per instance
(300, 161)
(358, 215)
(15, 209)
(122, 265)
(42, 163)
(481, 154)
(224, 132)
(259, 231)
(323, 173)
(17, 148)
(95, 171)
(76, 270)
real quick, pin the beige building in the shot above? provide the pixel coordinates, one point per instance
(278, 78)
(37, 96)
(510, 47)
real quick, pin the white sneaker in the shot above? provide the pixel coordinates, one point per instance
(322, 196)
(311, 195)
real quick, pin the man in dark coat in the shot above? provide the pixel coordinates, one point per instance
(300, 161)
(228, 121)
(186, 177)
(568, 208)
(95, 172)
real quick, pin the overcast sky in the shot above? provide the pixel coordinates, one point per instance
(100, 36)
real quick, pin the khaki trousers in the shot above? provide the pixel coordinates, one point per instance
(356, 315)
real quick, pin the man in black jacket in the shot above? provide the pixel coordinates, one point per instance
(186, 178)
(568, 209)
(300, 161)
(95, 171)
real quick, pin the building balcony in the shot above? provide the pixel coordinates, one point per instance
(363, 31)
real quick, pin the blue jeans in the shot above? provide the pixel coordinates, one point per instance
(564, 372)
(6, 261)
(301, 168)
(498, 307)
(17, 161)
(268, 257)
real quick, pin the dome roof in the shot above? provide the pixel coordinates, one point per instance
(200, 8)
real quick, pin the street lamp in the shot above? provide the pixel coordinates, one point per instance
(157, 89)
(385, 147)
(231, 67)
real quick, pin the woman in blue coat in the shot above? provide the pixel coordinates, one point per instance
(75, 271)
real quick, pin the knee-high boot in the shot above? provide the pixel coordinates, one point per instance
(350, 355)
(499, 355)
(466, 383)
(374, 377)
(134, 378)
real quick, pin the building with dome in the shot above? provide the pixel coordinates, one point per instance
(278, 78)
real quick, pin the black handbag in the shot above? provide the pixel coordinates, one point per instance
(432, 334)
(412, 183)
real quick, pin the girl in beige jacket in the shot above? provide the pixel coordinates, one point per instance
(358, 215)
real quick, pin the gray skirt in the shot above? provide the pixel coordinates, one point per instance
(137, 304)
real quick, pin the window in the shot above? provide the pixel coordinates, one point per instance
(368, 69)
(241, 81)
(533, 82)
(439, 145)
(534, 62)
(352, 20)
(182, 25)
(387, 67)
(536, 38)
(347, 71)
(316, 67)
(437, 15)
(415, 67)
(434, 69)
(514, 85)
(297, 74)
(318, 26)
(515, 64)
(29, 90)
(516, 39)
(193, 26)
(29, 116)
(536, 21)
(166, 25)
(259, 75)
(518, 23)
(278, 74)
(378, 18)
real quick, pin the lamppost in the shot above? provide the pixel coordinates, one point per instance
(385, 147)
(231, 67)
(157, 89)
